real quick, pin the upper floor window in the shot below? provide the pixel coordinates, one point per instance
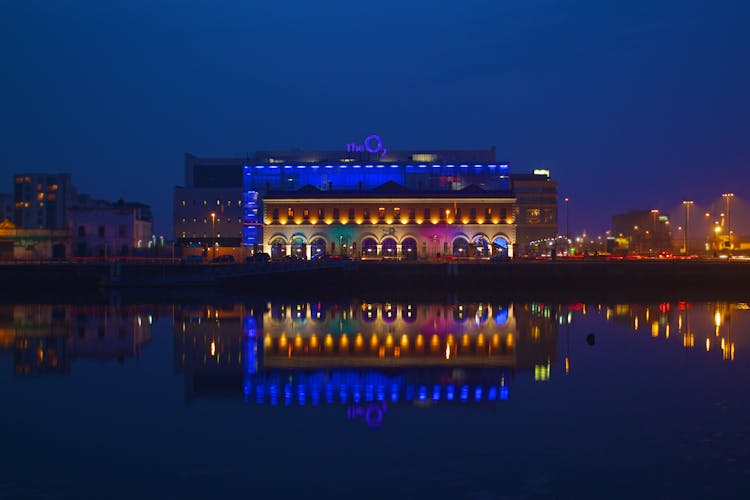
(335, 214)
(426, 214)
(351, 214)
(396, 212)
(488, 213)
(321, 213)
(412, 214)
(306, 214)
(290, 212)
(275, 214)
(472, 213)
(381, 212)
(533, 215)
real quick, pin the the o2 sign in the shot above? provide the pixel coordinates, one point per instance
(373, 144)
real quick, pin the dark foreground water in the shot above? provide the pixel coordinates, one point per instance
(250, 399)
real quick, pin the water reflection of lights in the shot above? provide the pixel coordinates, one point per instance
(712, 320)
(367, 357)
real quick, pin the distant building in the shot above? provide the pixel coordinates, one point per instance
(46, 338)
(536, 207)
(41, 201)
(208, 208)
(101, 228)
(642, 231)
(6, 207)
(33, 244)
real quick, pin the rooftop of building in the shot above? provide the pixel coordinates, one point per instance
(388, 189)
(84, 203)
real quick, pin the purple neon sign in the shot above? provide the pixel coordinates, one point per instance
(372, 144)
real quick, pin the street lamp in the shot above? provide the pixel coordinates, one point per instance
(213, 231)
(567, 219)
(687, 204)
(727, 197)
(717, 231)
(654, 214)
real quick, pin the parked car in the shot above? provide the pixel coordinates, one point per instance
(192, 259)
(223, 259)
(499, 258)
(258, 257)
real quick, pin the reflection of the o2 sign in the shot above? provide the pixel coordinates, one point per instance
(373, 413)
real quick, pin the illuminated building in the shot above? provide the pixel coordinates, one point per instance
(398, 204)
(405, 205)
(535, 208)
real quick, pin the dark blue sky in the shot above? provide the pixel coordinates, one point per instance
(629, 104)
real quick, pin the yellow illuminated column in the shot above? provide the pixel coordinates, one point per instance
(398, 251)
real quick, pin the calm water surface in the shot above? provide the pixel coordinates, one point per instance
(304, 399)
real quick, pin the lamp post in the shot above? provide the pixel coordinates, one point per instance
(717, 231)
(654, 214)
(687, 204)
(727, 197)
(567, 219)
(213, 231)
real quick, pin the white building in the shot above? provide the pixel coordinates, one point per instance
(105, 229)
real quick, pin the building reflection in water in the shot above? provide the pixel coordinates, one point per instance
(362, 356)
(46, 338)
(705, 325)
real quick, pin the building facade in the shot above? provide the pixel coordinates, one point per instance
(535, 210)
(41, 201)
(388, 223)
(102, 228)
(33, 244)
(405, 205)
(208, 208)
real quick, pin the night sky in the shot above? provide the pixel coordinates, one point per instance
(629, 104)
